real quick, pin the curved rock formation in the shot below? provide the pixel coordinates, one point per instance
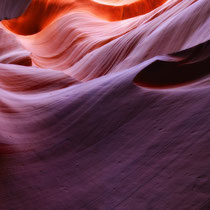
(50, 10)
(177, 69)
(105, 105)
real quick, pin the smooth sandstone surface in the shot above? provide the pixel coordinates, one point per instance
(105, 105)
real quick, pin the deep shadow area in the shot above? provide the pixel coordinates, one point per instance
(187, 66)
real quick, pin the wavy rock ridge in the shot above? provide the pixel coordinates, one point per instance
(105, 104)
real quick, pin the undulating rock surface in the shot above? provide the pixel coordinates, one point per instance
(105, 105)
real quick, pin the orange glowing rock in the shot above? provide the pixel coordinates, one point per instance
(41, 13)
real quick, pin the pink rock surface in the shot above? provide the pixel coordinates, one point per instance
(101, 114)
(11, 51)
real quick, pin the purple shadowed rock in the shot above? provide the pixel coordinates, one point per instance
(10, 9)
